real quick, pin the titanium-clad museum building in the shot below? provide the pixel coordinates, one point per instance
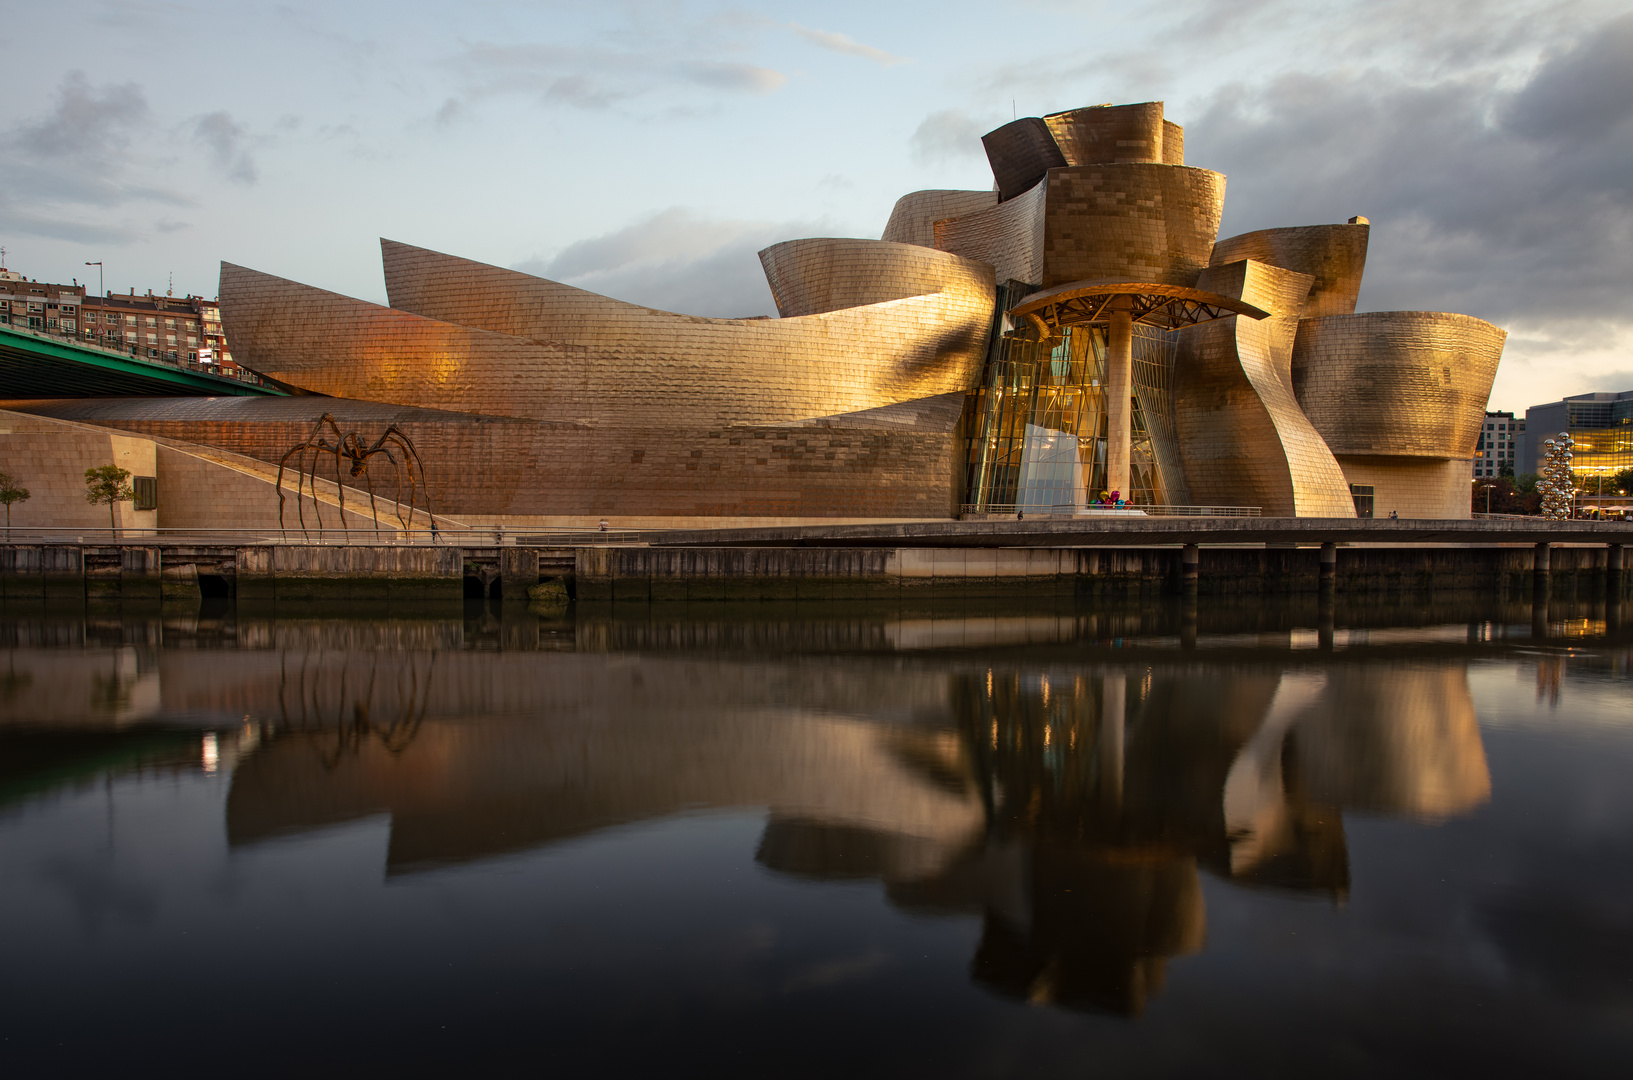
(1079, 329)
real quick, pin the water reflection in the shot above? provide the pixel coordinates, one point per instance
(1071, 809)
(1070, 790)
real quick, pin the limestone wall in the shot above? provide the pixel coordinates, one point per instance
(1413, 487)
(49, 458)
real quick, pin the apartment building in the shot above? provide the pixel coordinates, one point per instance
(1497, 450)
(175, 329)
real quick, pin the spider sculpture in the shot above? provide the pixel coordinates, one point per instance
(349, 446)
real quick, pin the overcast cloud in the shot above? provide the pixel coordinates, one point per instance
(648, 150)
(676, 261)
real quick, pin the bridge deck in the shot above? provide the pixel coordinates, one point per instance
(35, 366)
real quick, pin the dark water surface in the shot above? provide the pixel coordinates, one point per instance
(1395, 837)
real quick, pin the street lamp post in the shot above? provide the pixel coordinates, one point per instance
(98, 264)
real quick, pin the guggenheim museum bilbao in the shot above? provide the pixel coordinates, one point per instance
(1080, 329)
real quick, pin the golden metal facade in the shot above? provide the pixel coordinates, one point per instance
(1257, 421)
(850, 404)
(630, 411)
(1400, 397)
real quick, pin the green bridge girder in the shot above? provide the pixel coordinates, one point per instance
(34, 366)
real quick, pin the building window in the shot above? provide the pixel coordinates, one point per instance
(147, 492)
(1363, 496)
(36, 309)
(34, 322)
(153, 339)
(153, 354)
(153, 320)
(170, 340)
(130, 320)
(69, 325)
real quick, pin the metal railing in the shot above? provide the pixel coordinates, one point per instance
(138, 352)
(1093, 510)
(457, 535)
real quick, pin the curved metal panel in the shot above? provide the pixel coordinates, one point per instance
(1100, 134)
(1130, 222)
(913, 219)
(1173, 143)
(1008, 237)
(1398, 383)
(478, 338)
(1335, 255)
(809, 277)
(1021, 153)
(1243, 439)
(640, 413)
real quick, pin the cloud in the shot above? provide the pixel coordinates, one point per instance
(87, 123)
(225, 140)
(453, 110)
(840, 43)
(594, 78)
(734, 77)
(1507, 203)
(63, 171)
(676, 261)
(948, 135)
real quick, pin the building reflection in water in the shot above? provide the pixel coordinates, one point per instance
(1072, 811)
(1105, 794)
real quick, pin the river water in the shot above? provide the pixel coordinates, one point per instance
(1256, 840)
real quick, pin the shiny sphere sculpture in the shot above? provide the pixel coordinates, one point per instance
(1557, 484)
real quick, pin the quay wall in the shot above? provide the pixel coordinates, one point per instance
(400, 573)
(666, 574)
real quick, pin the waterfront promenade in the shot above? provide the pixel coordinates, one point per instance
(1030, 558)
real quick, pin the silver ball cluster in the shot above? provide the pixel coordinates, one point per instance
(1556, 485)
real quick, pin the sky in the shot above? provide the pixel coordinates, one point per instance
(648, 150)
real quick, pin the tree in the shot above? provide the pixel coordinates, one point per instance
(107, 484)
(11, 493)
(1622, 482)
(1505, 497)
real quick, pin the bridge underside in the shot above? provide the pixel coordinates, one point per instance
(35, 367)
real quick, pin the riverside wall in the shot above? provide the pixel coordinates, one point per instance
(643, 574)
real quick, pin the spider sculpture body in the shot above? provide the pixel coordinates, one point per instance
(326, 441)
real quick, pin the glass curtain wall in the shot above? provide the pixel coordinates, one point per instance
(1037, 424)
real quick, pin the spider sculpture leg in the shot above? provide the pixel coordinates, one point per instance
(282, 462)
(416, 471)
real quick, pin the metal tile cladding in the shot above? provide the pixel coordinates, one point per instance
(895, 384)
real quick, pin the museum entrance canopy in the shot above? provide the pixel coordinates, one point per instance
(1113, 434)
(1087, 303)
